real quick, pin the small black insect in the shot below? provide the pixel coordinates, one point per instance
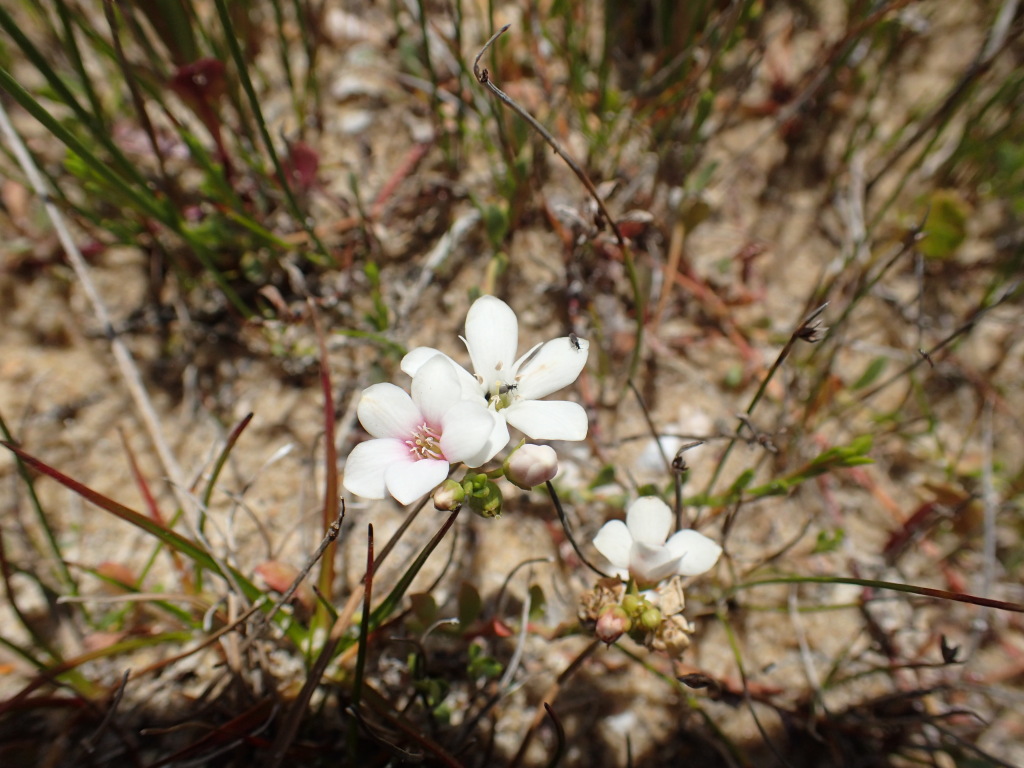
(574, 340)
(503, 389)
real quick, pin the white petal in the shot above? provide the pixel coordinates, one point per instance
(435, 389)
(387, 411)
(417, 358)
(649, 521)
(556, 364)
(367, 463)
(614, 542)
(492, 335)
(548, 419)
(497, 440)
(698, 552)
(407, 482)
(651, 564)
(466, 428)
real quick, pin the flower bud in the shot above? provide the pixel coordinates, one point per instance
(485, 499)
(449, 496)
(530, 465)
(612, 624)
(651, 619)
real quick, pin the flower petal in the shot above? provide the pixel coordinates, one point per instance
(497, 440)
(698, 552)
(387, 411)
(651, 563)
(548, 419)
(417, 358)
(492, 335)
(614, 542)
(435, 389)
(407, 482)
(555, 365)
(649, 521)
(466, 429)
(367, 463)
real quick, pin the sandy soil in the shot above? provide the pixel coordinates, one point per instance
(793, 200)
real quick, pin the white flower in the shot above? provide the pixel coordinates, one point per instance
(638, 547)
(417, 437)
(510, 387)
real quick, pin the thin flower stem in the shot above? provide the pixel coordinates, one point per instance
(939, 594)
(364, 625)
(794, 337)
(484, 78)
(568, 532)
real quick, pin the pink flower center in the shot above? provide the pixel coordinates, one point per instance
(425, 443)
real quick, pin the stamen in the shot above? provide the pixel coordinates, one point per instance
(425, 443)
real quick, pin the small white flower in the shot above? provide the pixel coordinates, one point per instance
(417, 438)
(512, 388)
(638, 547)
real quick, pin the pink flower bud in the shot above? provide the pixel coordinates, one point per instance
(612, 624)
(531, 465)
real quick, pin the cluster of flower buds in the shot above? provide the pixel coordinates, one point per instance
(653, 618)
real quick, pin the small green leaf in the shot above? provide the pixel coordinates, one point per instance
(481, 665)
(606, 476)
(946, 227)
(470, 604)
(742, 482)
(871, 373)
(538, 602)
(828, 541)
(424, 607)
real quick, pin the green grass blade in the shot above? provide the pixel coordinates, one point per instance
(254, 104)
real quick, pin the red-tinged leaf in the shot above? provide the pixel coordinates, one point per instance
(279, 576)
(140, 482)
(97, 641)
(223, 457)
(172, 539)
(330, 510)
(154, 510)
(635, 223)
(114, 575)
(301, 165)
(489, 628)
(200, 83)
(245, 727)
(498, 628)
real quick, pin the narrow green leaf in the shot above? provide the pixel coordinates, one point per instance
(871, 373)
